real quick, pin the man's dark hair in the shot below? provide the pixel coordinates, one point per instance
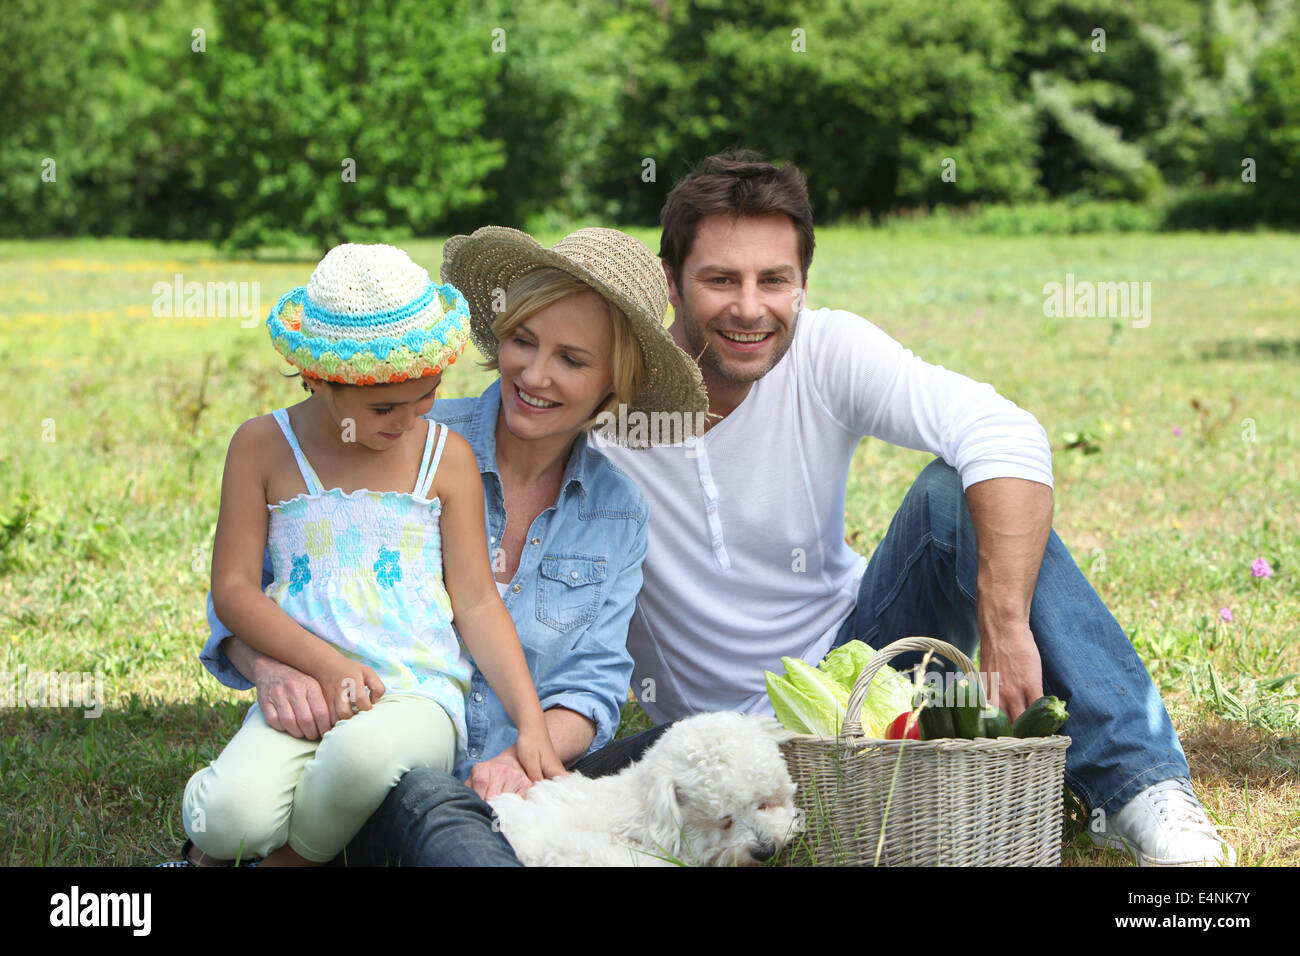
(736, 182)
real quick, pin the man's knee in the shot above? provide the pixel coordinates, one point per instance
(423, 781)
(938, 491)
(423, 790)
(939, 479)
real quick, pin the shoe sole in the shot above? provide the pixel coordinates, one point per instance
(1106, 841)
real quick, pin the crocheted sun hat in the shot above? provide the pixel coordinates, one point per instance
(618, 266)
(370, 316)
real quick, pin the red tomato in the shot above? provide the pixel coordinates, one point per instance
(899, 730)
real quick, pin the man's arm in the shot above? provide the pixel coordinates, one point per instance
(1013, 519)
(870, 385)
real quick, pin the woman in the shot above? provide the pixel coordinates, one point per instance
(574, 331)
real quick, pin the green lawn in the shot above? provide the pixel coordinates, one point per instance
(1185, 468)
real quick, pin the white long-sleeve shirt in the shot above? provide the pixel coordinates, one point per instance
(747, 561)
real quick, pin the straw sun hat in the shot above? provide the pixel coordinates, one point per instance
(614, 264)
(369, 316)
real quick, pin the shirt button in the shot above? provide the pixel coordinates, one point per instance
(478, 695)
(473, 751)
(517, 588)
(574, 575)
(536, 541)
(713, 509)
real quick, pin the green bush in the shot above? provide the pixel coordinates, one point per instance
(1218, 207)
(102, 104)
(558, 112)
(307, 93)
(870, 98)
(563, 66)
(1058, 217)
(1271, 130)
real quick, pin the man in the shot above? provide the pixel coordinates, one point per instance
(747, 561)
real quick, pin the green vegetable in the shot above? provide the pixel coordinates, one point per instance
(936, 720)
(1043, 718)
(994, 723)
(812, 700)
(890, 692)
(961, 718)
(801, 712)
(968, 703)
(845, 663)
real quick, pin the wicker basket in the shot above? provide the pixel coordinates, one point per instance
(984, 802)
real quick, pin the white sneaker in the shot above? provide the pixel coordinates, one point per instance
(1165, 825)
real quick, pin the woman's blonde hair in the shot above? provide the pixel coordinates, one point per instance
(540, 288)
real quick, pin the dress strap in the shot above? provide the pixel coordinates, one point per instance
(314, 487)
(430, 465)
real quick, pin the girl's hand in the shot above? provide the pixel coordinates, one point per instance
(349, 686)
(536, 755)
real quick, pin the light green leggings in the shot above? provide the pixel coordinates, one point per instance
(269, 788)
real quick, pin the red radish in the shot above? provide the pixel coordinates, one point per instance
(900, 729)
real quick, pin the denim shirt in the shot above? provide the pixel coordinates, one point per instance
(571, 599)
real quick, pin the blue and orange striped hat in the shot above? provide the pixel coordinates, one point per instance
(368, 315)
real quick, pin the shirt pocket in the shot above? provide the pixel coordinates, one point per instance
(569, 590)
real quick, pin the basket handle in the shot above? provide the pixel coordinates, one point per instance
(853, 711)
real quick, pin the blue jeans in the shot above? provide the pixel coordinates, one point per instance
(432, 819)
(921, 581)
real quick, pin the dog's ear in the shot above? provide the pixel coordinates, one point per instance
(664, 817)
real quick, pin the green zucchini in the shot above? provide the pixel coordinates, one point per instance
(994, 723)
(961, 720)
(968, 703)
(1042, 718)
(936, 720)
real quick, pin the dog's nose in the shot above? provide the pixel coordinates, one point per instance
(764, 851)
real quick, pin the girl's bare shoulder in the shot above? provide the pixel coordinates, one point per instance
(457, 465)
(257, 435)
(258, 447)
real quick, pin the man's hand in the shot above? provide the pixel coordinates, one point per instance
(1009, 652)
(1013, 521)
(502, 774)
(291, 700)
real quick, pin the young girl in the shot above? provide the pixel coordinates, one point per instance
(362, 599)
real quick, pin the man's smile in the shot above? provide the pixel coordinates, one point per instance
(745, 341)
(744, 336)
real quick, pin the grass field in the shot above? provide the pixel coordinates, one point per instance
(1176, 450)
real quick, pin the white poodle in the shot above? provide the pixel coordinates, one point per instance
(713, 790)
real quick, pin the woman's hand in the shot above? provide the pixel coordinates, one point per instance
(290, 700)
(501, 774)
(349, 686)
(536, 754)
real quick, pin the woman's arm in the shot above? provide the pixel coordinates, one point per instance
(480, 615)
(240, 603)
(290, 700)
(591, 678)
(584, 690)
